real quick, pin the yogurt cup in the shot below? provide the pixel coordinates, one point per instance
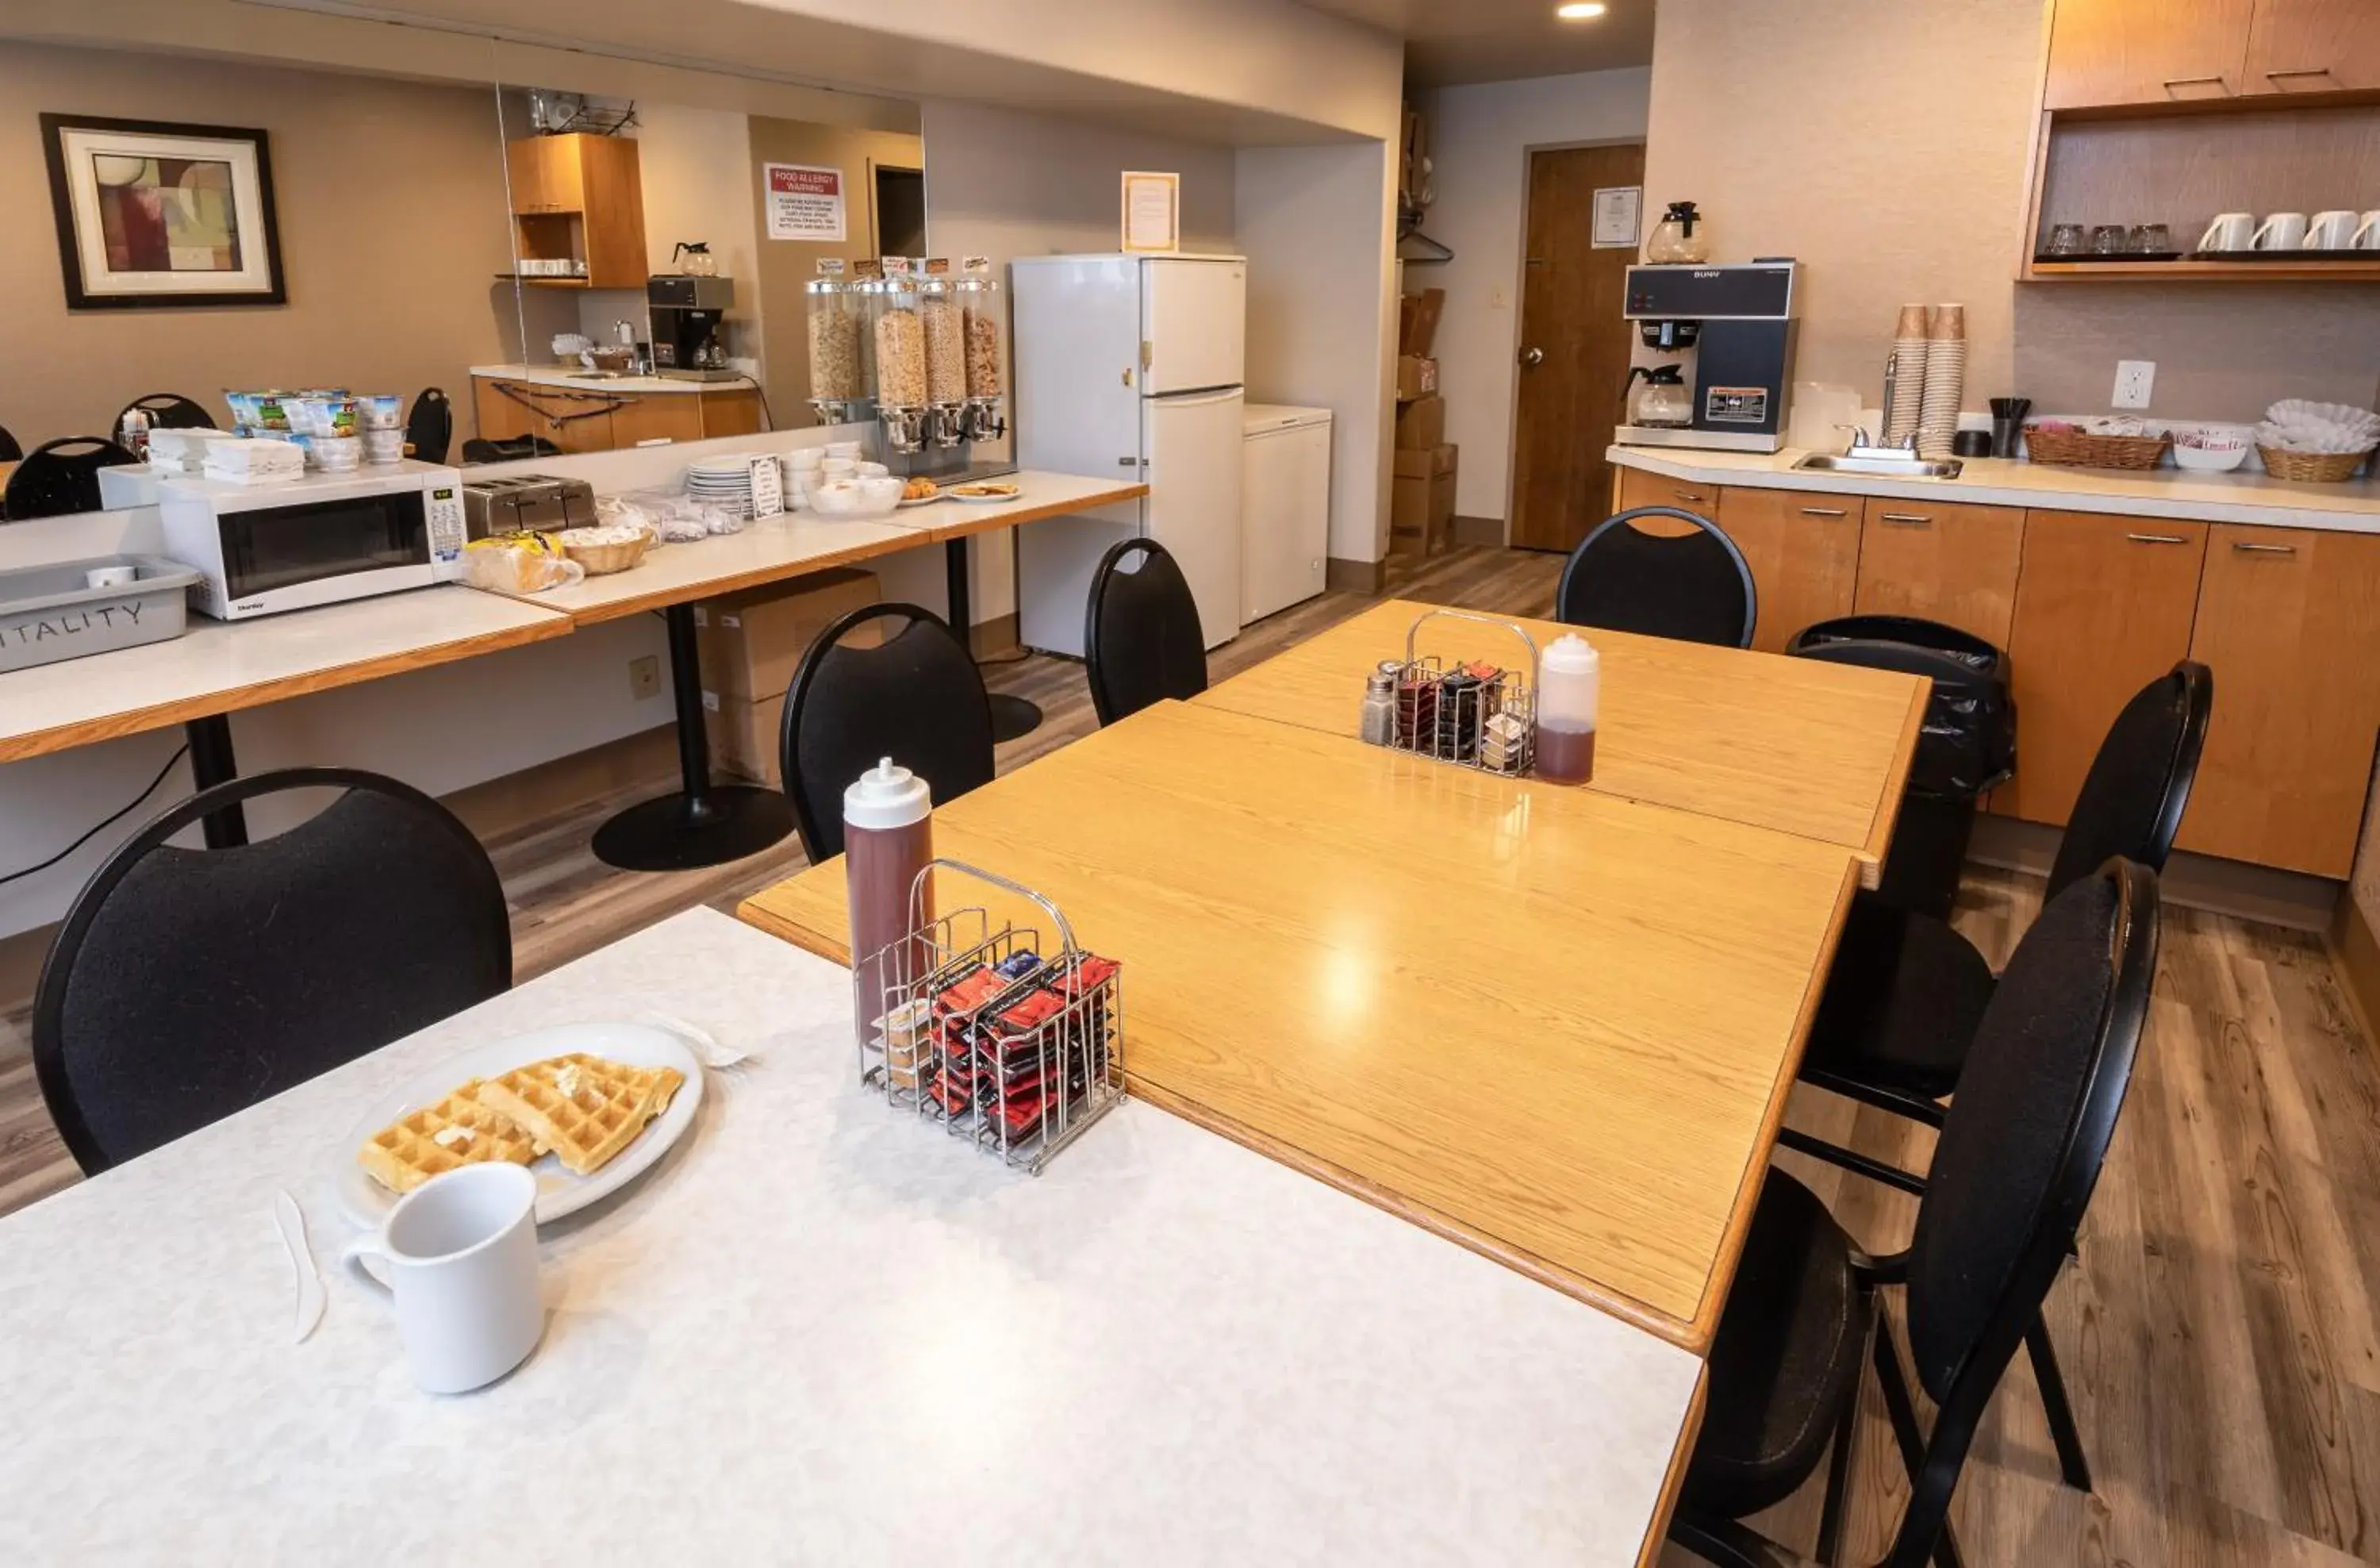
(380, 410)
(384, 446)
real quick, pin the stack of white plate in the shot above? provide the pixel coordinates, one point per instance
(722, 481)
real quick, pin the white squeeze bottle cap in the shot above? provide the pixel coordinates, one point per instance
(887, 795)
(1570, 683)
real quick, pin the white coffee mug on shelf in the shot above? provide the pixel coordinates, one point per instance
(458, 1256)
(2229, 231)
(2282, 231)
(2367, 234)
(2330, 231)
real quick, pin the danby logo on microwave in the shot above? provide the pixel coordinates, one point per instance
(1707, 274)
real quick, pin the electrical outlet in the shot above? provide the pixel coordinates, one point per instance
(2135, 382)
(645, 676)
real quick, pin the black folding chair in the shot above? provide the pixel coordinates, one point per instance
(917, 697)
(1694, 587)
(2020, 1155)
(1142, 642)
(430, 426)
(168, 410)
(187, 984)
(60, 477)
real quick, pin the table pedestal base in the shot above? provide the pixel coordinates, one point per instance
(1013, 718)
(702, 823)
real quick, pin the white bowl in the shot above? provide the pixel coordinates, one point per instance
(856, 498)
(839, 468)
(842, 449)
(870, 470)
(2209, 460)
(802, 457)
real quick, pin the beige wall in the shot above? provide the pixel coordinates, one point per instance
(1003, 184)
(391, 204)
(1479, 138)
(1886, 144)
(782, 267)
(1315, 223)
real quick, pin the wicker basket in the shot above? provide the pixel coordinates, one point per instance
(2075, 449)
(2321, 467)
(599, 560)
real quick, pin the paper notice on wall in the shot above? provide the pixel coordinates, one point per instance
(805, 201)
(1152, 212)
(1618, 210)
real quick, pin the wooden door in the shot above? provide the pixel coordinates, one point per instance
(1574, 347)
(611, 196)
(1952, 563)
(1804, 550)
(2284, 620)
(525, 173)
(2104, 607)
(2315, 46)
(2148, 50)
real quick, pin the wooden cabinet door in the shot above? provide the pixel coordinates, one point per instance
(659, 416)
(2104, 607)
(2285, 620)
(2147, 51)
(1804, 550)
(1953, 564)
(1638, 488)
(611, 195)
(525, 173)
(2315, 46)
(574, 422)
(735, 411)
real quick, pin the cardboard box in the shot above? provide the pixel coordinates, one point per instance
(1417, 318)
(743, 736)
(1421, 501)
(1416, 377)
(1421, 424)
(751, 643)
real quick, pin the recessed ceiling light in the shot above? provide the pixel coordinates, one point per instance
(1578, 13)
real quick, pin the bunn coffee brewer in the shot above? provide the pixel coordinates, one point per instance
(1740, 322)
(686, 310)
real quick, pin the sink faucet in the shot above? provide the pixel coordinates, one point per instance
(1864, 445)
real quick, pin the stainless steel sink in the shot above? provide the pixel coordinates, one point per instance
(1883, 468)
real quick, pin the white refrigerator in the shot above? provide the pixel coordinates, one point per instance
(1285, 527)
(1131, 366)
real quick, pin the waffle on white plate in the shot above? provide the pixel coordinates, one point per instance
(459, 1130)
(582, 1108)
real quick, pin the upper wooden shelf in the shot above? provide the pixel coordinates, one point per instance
(2207, 271)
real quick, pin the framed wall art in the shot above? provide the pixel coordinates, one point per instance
(156, 215)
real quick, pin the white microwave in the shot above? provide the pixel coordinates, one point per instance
(266, 548)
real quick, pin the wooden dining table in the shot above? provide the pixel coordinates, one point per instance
(1555, 1025)
(1815, 749)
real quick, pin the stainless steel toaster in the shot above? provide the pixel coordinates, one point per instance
(495, 506)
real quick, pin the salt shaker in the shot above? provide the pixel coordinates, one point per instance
(1570, 690)
(1379, 726)
(888, 838)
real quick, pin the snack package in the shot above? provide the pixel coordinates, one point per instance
(520, 563)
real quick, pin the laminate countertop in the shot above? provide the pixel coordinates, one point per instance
(817, 1331)
(637, 387)
(2249, 496)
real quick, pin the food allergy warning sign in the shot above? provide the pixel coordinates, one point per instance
(805, 201)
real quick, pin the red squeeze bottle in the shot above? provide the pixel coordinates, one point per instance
(888, 838)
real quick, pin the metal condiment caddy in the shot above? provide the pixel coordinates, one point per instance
(1474, 715)
(1019, 1069)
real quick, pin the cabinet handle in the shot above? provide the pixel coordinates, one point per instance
(1908, 519)
(1823, 512)
(2173, 82)
(2156, 539)
(2246, 549)
(1690, 495)
(2315, 70)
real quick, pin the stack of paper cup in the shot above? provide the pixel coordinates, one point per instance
(1909, 350)
(1946, 382)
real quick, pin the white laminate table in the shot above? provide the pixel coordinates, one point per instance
(817, 1331)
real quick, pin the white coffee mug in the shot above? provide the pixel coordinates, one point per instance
(2229, 231)
(2330, 231)
(2282, 231)
(458, 1256)
(111, 577)
(2367, 234)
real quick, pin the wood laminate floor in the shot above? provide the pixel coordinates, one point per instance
(2219, 1333)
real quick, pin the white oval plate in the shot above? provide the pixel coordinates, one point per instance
(921, 501)
(982, 500)
(559, 1192)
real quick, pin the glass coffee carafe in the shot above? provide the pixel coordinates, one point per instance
(1664, 400)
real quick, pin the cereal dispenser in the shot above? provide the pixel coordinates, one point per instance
(928, 365)
(840, 363)
(987, 386)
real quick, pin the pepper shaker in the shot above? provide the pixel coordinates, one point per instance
(1379, 722)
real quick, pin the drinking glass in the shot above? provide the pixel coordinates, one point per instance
(2065, 239)
(2150, 239)
(2110, 240)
